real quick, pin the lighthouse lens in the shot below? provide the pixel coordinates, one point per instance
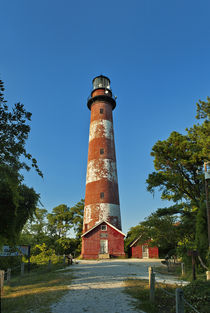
(101, 82)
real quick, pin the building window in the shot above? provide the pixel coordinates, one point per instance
(102, 195)
(101, 111)
(101, 151)
(103, 227)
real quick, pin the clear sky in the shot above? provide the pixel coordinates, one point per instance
(157, 55)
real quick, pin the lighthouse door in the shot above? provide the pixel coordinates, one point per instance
(103, 246)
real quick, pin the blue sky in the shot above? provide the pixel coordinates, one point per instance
(157, 55)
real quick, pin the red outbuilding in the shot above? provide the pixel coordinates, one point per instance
(141, 251)
(102, 241)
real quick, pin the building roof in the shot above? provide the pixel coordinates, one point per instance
(135, 241)
(115, 228)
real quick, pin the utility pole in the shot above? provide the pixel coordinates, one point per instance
(207, 178)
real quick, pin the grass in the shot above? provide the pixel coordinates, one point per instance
(196, 293)
(139, 290)
(36, 291)
(173, 270)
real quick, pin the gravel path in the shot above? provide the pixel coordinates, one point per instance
(98, 286)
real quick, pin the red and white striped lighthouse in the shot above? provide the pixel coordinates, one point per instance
(102, 221)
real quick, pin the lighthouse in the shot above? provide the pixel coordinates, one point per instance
(102, 232)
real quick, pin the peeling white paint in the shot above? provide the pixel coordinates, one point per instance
(105, 211)
(101, 168)
(101, 128)
(87, 214)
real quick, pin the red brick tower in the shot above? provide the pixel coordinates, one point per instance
(102, 209)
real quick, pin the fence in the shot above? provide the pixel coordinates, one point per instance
(6, 275)
(179, 295)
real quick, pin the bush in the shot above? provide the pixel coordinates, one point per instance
(10, 262)
(197, 294)
(41, 255)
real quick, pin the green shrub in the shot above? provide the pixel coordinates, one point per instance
(41, 255)
(10, 262)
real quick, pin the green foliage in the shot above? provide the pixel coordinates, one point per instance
(53, 229)
(26, 206)
(17, 201)
(14, 132)
(179, 166)
(197, 294)
(9, 198)
(77, 217)
(201, 233)
(17, 204)
(178, 174)
(12, 262)
(59, 221)
(35, 230)
(160, 231)
(41, 255)
(203, 109)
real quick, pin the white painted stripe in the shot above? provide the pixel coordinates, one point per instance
(101, 168)
(105, 210)
(87, 214)
(101, 128)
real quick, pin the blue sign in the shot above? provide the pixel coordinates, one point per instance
(16, 251)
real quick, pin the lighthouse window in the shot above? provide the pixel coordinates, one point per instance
(102, 195)
(101, 151)
(103, 227)
(101, 111)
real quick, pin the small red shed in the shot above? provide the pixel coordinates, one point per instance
(102, 241)
(141, 251)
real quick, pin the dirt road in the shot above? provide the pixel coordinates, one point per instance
(98, 286)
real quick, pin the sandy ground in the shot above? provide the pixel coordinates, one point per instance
(98, 286)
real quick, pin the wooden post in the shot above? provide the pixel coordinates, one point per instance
(179, 301)
(207, 179)
(208, 275)
(22, 268)
(169, 265)
(150, 270)
(152, 284)
(183, 269)
(8, 274)
(1, 282)
(193, 266)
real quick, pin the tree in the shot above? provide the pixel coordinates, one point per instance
(59, 221)
(201, 233)
(35, 229)
(77, 212)
(17, 201)
(77, 221)
(53, 229)
(160, 231)
(178, 174)
(178, 162)
(14, 132)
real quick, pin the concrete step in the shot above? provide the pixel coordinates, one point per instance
(104, 256)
